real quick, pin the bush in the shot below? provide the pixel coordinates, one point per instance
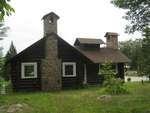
(112, 84)
(116, 86)
(6, 83)
(1, 80)
(129, 79)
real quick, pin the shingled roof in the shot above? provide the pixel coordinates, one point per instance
(111, 33)
(51, 14)
(88, 41)
(105, 54)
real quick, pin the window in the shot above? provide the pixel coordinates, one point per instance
(69, 69)
(29, 70)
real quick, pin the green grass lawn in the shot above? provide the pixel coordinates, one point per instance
(83, 101)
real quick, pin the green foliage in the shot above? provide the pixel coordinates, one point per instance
(137, 13)
(106, 70)
(144, 63)
(3, 30)
(115, 86)
(11, 52)
(5, 9)
(3, 82)
(2, 61)
(112, 85)
(132, 49)
(129, 79)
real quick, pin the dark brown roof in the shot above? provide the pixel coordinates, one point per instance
(105, 54)
(51, 14)
(88, 41)
(111, 33)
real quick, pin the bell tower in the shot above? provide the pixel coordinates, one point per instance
(50, 23)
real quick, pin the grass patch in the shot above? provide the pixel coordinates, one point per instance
(84, 100)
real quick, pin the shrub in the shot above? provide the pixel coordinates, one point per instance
(6, 83)
(129, 79)
(112, 84)
(1, 80)
(116, 86)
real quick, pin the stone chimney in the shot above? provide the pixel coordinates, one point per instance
(51, 64)
(50, 23)
(111, 40)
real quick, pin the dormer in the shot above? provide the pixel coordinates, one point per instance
(50, 23)
(88, 43)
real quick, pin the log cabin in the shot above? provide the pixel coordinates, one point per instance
(53, 64)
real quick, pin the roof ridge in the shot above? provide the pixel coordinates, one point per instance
(90, 38)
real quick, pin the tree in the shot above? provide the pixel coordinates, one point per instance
(11, 52)
(1, 61)
(144, 62)
(137, 13)
(5, 9)
(3, 30)
(112, 84)
(6, 68)
(132, 49)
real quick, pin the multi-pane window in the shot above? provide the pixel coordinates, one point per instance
(29, 70)
(69, 69)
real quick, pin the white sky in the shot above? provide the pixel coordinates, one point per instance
(78, 18)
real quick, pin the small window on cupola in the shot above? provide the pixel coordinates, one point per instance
(50, 20)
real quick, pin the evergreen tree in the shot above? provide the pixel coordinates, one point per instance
(11, 52)
(6, 68)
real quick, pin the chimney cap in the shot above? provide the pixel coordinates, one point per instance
(52, 14)
(111, 33)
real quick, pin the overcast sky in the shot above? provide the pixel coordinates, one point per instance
(78, 18)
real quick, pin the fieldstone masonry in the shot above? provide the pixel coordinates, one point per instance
(112, 41)
(51, 66)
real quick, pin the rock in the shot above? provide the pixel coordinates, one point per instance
(104, 97)
(3, 108)
(148, 111)
(17, 108)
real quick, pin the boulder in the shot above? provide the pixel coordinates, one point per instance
(104, 97)
(3, 108)
(17, 108)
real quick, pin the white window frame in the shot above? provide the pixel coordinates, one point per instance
(23, 69)
(74, 69)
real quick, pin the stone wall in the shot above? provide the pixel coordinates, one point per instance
(51, 66)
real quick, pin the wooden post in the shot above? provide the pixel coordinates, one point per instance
(85, 75)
